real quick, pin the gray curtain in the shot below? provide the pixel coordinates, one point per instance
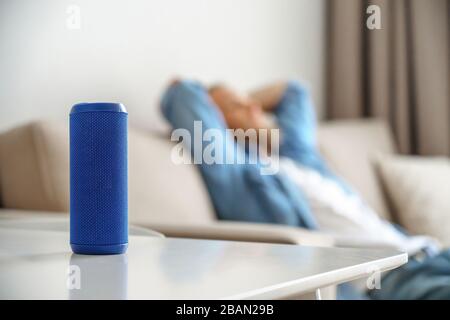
(400, 72)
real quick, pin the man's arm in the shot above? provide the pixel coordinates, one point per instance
(238, 191)
(292, 105)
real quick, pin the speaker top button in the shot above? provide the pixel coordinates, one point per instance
(98, 107)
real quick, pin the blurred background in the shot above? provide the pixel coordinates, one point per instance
(128, 51)
(56, 53)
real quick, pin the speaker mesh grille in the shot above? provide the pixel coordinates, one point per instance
(98, 178)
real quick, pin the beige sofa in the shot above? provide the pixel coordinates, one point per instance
(172, 199)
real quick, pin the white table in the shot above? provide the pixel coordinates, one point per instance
(34, 264)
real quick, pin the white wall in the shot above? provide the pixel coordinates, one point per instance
(127, 50)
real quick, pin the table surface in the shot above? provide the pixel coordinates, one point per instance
(35, 264)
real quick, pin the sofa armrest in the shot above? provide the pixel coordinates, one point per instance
(244, 231)
(219, 230)
(10, 215)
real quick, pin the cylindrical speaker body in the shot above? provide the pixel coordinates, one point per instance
(98, 178)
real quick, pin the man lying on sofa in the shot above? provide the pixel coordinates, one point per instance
(305, 192)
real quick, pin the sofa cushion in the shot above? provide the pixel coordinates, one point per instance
(34, 175)
(419, 188)
(350, 148)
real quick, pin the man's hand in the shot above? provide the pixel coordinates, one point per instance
(269, 96)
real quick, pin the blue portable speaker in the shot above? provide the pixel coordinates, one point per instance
(98, 178)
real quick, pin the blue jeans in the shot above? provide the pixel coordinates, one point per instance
(418, 279)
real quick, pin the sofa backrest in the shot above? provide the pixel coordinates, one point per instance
(350, 148)
(34, 164)
(161, 191)
(34, 170)
(34, 175)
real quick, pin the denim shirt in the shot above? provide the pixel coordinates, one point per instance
(239, 191)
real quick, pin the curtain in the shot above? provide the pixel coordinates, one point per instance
(400, 72)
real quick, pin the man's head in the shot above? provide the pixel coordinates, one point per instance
(240, 111)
